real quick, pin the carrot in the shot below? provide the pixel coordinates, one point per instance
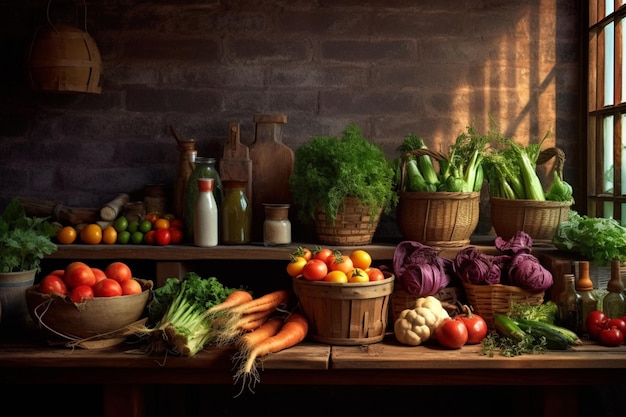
(252, 321)
(271, 326)
(292, 332)
(234, 299)
(229, 331)
(268, 301)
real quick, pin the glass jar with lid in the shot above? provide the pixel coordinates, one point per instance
(236, 218)
(276, 227)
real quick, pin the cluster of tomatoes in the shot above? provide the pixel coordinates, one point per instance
(463, 329)
(606, 331)
(152, 229)
(325, 264)
(80, 282)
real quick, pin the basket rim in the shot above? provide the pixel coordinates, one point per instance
(389, 277)
(439, 195)
(523, 202)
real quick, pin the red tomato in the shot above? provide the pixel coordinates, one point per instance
(52, 284)
(611, 337)
(375, 274)
(99, 273)
(132, 286)
(619, 323)
(176, 224)
(152, 217)
(163, 237)
(303, 252)
(176, 235)
(81, 293)
(452, 333)
(148, 238)
(118, 271)
(596, 321)
(339, 262)
(107, 288)
(322, 254)
(79, 273)
(315, 270)
(476, 326)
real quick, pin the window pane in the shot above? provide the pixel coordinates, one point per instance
(608, 6)
(608, 209)
(609, 63)
(608, 155)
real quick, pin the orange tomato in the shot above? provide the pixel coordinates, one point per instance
(361, 259)
(338, 262)
(295, 266)
(358, 275)
(91, 234)
(109, 235)
(336, 276)
(303, 252)
(66, 235)
(162, 223)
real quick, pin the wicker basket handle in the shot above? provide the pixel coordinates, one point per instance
(438, 156)
(554, 152)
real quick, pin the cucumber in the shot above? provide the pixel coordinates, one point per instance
(571, 336)
(507, 327)
(554, 340)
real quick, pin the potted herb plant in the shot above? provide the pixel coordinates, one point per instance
(24, 241)
(342, 182)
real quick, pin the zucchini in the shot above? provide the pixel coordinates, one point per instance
(554, 340)
(507, 327)
(571, 336)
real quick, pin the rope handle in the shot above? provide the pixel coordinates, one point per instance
(437, 156)
(553, 152)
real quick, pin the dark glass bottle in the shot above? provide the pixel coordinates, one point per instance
(584, 287)
(236, 218)
(204, 168)
(614, 304)
(570, 305)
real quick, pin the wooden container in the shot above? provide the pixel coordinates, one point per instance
(345, 314)
(539, 219)
(354, 225)
(64, 59)
(440, 219)
(97, 318)
(487, 300)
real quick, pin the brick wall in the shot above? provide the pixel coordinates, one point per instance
(392, 67)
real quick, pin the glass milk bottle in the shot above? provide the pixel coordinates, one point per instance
(205, 220)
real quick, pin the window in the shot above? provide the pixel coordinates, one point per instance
(606, 181)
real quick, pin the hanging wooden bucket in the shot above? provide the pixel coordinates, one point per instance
(64, 59)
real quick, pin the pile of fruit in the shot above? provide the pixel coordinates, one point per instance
(324, 264)
(80, 281)
(149, 230)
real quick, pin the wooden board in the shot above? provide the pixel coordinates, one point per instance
(272, 163)
(235, 164)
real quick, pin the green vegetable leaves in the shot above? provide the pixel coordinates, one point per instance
(597, 239)
(24, 241)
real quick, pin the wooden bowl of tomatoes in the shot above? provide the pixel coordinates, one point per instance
(99, 318)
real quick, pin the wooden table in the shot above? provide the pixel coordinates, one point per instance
(122, 373)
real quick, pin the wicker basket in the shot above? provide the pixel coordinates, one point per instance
(487, 300)
(401, 299)
(345, 314)
(539, 219)
(440, 219)
(354, 225)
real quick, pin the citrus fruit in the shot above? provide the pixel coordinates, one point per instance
(121, 224)
(136, 237)
(91, 234)
(123, 237)
(67, 235)
(109, 235)
(133, 226)
(145, 226)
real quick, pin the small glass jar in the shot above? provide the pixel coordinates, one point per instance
(155, 199)
(236, 213)
(276, 227)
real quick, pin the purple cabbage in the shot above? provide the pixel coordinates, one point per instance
(527, 273)
(521, 242)
(419, 269)
(476, 268)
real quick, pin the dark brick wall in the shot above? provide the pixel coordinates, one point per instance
(393, 67)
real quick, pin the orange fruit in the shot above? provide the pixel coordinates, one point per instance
(109, 235)
(66, 235)
(336, 276)
(91, 234)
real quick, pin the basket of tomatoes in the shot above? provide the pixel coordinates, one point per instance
(344, 298)
(88, 307)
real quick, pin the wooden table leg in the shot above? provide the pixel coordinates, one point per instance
(123, 400)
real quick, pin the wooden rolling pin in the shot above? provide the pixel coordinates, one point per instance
(111, 210)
